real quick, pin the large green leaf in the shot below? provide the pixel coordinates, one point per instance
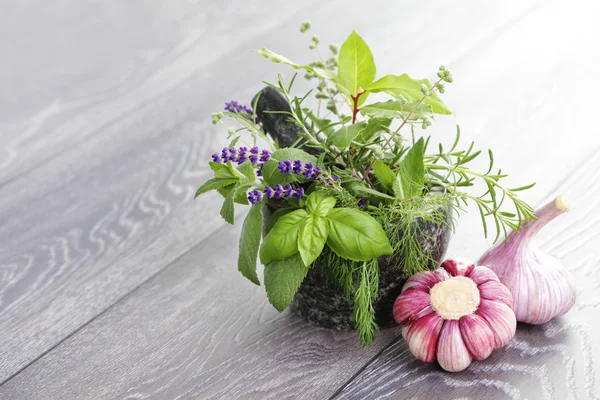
(404, 85)
(396, 109)
(282, 280)
(343, 137)
(312, 237)
(356, 235)
(270, 170)
(276, 58)
(215, 183)
(275, 217)
(239, 197)
(356, 68)
(282, 241)
(411, 172)
(384, 174)
(249, 242)
(320, 204)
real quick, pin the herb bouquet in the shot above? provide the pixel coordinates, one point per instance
(351, 203)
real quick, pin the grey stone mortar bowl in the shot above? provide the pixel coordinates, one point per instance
(322, 303)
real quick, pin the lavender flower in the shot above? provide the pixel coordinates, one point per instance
(235, 107)
(252, 198)
(285, 166)
(278, 191)
(308, 169)
(243, 157)
(216, 158)
(265, 156)
(259, 196)
(297, 167)
(336, 178)
(269, 192)
(253, 159)
(288, 191)
(225, 154)
(316, 173)
(362, 203)
(299, 193)
(254, 150)
(259, 170)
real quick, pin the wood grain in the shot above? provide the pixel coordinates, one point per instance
(102, 279)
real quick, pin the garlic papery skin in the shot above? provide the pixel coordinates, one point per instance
(541, 287)
(455, 314)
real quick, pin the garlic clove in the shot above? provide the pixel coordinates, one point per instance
(541, 286)
(426, 280)
(452, 354)
(410, 305)
(501, 319)
(422, 337)
(458, 266)
(492, 290)
(481, 275)
(477, 335)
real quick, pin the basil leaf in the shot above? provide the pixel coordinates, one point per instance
(282, 280)
(275, 217)
(320, 204)
(384, 174)
(282, 241)
(412, 171)
(356, 235)
(214, 183)
(343, 137)
(312, 237)
(356, 67)
(249, 242)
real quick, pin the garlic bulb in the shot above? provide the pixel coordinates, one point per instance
(454, 314)
(541, 286)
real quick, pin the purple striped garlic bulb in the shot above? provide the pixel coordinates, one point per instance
(541, 286)
(455, 314)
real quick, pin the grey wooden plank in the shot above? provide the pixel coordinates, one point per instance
(484, 103)
(98, 178)
(193, 331)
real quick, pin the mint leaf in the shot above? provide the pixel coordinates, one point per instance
(412, 171)
(248, 171)
(249, 242)
(214, 183)
(384, 174)
(343, 137)
(227, 210)
(312, 237)
(356, 235)
(356, 68)
(282, 280)
(270, 170)
(282, 241)
(410, 88)
(320, 204)
(276, 58)
(226, 170)
(240, 197)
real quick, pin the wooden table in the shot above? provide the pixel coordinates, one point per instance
(116, 284)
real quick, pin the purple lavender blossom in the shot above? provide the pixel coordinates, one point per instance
(252, 198)
(269, 192)
(308, 169)
(225, 154)
(278, 191)
(254, 150)
(259, 170)
(259, 196)
(362, 203)
(265, 156)
(253, 159)
(316, 173)
(285, 167)
(336, 178)
(288, 191)
(299, 193)
(297, 167)
(235, 107)
(243, 157)
(216, 158)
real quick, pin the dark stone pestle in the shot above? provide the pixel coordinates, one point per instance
(277, 125)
